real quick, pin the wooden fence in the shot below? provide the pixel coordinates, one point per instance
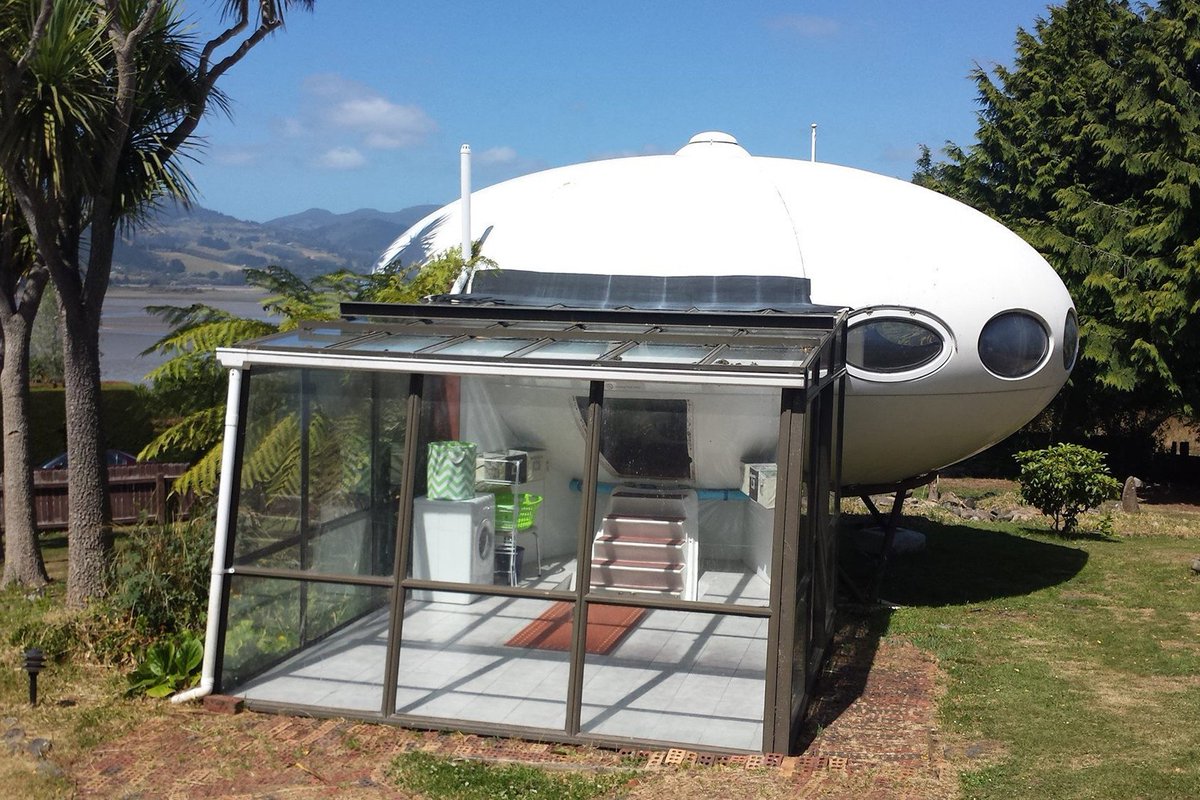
(135, 492)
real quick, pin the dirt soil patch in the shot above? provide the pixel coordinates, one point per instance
(873, 735)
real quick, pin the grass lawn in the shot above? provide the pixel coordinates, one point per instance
(81, 704)
(1076, 661)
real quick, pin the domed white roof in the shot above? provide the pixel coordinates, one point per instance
(713, 209)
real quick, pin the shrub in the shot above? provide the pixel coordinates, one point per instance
(1065, 480)
(160, 578)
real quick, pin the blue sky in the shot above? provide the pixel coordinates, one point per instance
(365, 103)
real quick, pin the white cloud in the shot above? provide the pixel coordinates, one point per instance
(381, 124)
(806, 25)
(238, 156)
(341, 158)
(290, 127)
(497, 155)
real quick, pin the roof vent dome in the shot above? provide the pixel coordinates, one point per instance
(712, 143)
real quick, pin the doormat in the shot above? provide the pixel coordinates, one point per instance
(607, 626)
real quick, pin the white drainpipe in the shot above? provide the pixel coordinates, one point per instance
(220, 538)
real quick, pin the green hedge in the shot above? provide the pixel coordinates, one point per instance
(127, 422)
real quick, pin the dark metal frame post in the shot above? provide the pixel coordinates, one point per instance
(785, 564)
(391, 669)
(583, 568)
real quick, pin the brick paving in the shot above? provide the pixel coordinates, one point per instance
(872, 733)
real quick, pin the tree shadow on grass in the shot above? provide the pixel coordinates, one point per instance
(960, 565)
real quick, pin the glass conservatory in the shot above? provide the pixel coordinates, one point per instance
(604, 526)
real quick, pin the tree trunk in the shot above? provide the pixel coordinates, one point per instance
(89, 525)
(23, 563)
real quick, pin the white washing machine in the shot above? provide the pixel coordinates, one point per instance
(454, 541)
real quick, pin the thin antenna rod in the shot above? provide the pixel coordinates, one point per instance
(465, 179)
(813, 156)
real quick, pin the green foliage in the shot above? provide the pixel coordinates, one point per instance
(168, 666)
(1089, 147)
(127, 422)
(45, 342)
(457, 779)
(160, 577)
(1065, 480)
(196, 416)
(250, 641)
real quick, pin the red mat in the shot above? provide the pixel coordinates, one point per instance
(607, 626)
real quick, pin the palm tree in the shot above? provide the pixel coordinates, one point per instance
(99, 99)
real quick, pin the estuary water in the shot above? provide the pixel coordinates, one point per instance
(126, 329)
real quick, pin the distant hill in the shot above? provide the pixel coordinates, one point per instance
(199, 245)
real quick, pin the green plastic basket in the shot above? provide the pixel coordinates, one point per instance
(525, 516)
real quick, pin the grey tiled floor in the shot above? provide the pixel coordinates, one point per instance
(678, 676)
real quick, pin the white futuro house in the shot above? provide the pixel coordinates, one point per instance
(960, 332)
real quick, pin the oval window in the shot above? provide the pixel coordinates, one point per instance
(1013, 344)
(892, 345)
(1070, 339)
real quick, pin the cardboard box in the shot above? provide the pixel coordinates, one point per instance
(510, 466)
(758, 483)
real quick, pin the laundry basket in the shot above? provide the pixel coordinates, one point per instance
(526, 514)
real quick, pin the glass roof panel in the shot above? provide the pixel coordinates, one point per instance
(578, 349)
(313, 337)
(666, 353)
(764, 356)
(480, 346)
(397, 343)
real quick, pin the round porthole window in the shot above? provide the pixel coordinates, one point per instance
(890, 345)
(1070, 339)
(1013, 344)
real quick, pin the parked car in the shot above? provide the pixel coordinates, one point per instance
(113, 458)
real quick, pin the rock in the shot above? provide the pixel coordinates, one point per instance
(1196, 565)
(950, 499)
(14, 739)
(50, 769)
(1129, 499)
(39, 747)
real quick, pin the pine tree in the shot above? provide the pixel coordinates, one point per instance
(1089, 147)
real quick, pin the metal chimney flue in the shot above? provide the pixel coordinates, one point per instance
(465, 178)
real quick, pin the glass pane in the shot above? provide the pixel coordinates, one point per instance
(316, 337)
(1013, 344)
(686, 499)
(306, 644)
(499, 660)
(493, 497)
(1070, 339)
(322, 467)
(666, 353)
(398, 344)
(765, 355)
(268, 515)
(892, 345)
(674, 676)
(573, 349)
(485, 347)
